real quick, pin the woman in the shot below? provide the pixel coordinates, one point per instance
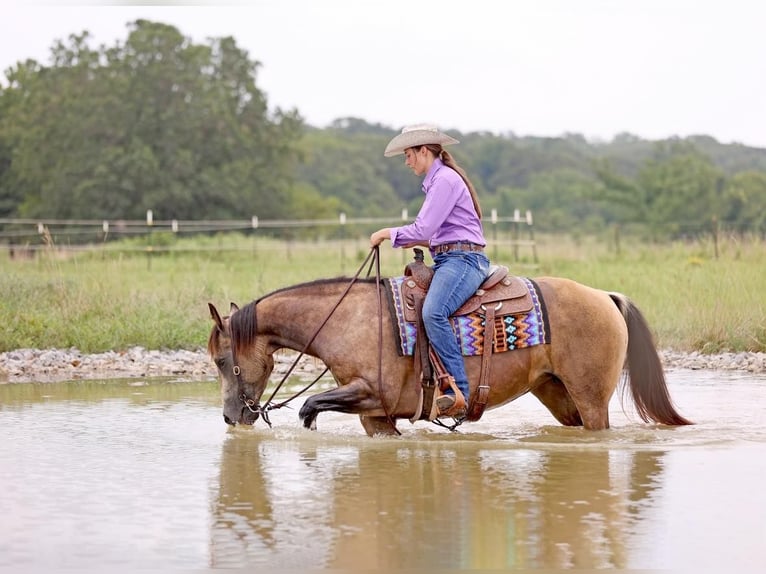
(449, 223)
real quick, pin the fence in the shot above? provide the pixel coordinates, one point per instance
(25, 237)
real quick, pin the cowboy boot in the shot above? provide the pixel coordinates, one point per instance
(452, 405)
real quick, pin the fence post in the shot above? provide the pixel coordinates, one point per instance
(254, 226)
(105, 231)
(342, 219)
(150, 247)
(45, 236)
(174, 229)
(715, 236)
(532, 236)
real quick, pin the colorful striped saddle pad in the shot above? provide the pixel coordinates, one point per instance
(512, 331)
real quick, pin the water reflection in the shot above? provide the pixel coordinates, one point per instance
(165, 390)
(291, 503)
(145, 474)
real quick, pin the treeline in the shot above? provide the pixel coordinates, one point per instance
(162, 123)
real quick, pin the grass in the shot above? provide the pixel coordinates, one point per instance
(692, 300)
(112, 300)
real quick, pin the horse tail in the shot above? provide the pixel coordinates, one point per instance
(644, 369)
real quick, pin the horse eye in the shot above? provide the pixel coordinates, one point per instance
(220, 363)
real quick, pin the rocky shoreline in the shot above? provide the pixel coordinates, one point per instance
(53, 365)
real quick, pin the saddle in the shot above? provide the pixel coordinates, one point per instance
(499, 294)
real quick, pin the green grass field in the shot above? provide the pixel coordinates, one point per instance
(111, 300)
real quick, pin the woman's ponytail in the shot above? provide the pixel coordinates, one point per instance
(450, 162)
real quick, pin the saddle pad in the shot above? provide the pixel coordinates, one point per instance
(515, 331)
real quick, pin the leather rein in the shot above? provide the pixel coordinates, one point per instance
(263, 410)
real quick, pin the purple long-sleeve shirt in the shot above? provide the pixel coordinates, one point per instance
(447, 214)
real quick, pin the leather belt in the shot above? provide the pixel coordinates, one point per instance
(458, 246)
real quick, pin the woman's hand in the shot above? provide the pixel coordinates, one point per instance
(379, 236)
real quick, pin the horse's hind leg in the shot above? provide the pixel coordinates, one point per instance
(377, 425)
(592, 398)
(554, 395)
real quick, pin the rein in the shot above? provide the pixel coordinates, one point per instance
(374, 259)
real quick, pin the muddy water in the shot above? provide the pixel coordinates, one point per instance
(127, 474)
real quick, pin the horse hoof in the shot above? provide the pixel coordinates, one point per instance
(313, 425)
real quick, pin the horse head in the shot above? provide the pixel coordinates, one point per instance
(243, 382)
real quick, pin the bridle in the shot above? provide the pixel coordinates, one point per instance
(263, 410)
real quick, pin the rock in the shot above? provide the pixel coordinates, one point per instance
(49, 365)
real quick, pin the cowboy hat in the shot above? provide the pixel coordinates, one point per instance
(417, 135)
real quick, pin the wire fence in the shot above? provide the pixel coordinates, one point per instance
(515, 233)
(22, 238)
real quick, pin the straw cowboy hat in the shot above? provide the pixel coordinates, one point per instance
(417, 135)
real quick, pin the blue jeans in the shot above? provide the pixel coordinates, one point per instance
(457, 276)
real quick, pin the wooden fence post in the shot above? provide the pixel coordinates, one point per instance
(532, 236)
(342, 219)
(254, 226)
(715, 236)
(150, 247)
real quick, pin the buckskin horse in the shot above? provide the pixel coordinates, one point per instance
(593, 337)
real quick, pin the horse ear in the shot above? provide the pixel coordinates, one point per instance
(234, 307)
(215, 316)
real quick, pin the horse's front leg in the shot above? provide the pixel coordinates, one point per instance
(355, 397)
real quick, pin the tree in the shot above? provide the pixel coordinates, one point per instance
(155, 123)
(680, 189)
(351, 170)
(676, 191)
(745, 200)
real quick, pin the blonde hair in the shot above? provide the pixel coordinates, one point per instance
(450, 162)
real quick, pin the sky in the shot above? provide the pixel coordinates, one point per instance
(652, 68)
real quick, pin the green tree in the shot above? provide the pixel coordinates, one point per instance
(745, 201)
(680, 189)
(10, 189)
(620, 193)
(348, 166)
(676, 191)
(155, 123)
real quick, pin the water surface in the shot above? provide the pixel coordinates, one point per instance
(146, 474)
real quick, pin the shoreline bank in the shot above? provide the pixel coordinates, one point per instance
(57, 365)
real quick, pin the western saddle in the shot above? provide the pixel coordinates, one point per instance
(499, 291)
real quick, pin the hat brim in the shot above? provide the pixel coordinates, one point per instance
(415, 138)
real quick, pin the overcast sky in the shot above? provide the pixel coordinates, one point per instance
(654, 68)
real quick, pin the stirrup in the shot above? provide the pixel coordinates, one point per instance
(451, 406)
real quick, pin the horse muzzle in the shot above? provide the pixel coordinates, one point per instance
(246, 417)
(245, 411)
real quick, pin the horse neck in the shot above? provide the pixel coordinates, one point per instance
(292, 316)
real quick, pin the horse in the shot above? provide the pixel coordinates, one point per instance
(598, 339)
